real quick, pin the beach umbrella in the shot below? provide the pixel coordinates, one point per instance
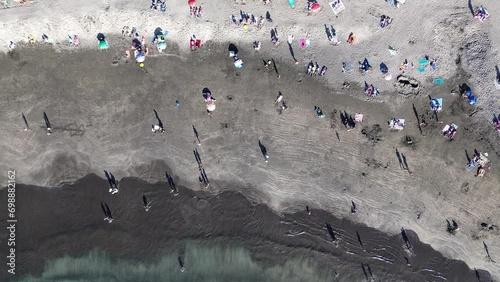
(383, 68)
(191, 3)
(100, 37)
(315, 7)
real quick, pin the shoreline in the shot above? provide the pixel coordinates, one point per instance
(70, 216)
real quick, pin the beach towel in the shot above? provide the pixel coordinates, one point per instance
(437, 103)
(423, 62)
(291, 3)
(392, 51)
(162, 45)
(103, 44)
(358, 117)
(438, 81)
(397, 124)
(471, 166)
(472, 100)
(238, 63)
(449, 126)
(346, 67)
(497, 84)
(337, 6)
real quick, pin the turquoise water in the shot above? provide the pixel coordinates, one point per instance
(216, 263)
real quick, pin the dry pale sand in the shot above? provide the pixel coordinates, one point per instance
(102, 113)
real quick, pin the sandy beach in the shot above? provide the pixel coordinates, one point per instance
(101, 108)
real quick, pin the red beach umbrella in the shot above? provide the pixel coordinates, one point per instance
(191, 3)
(315, 7)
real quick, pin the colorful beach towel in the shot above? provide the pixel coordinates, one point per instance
(337, 6)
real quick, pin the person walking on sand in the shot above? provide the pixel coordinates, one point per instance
(47, 124)
(158, 127)
(278, 98)
(351, 38)
(25, 122)
(263, 150)
(147, 205)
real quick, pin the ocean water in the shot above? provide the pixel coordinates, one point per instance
(202, 263)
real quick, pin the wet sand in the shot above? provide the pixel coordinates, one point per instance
(68, 221)
(101, 109)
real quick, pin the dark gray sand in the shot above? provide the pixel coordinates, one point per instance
(68, 221)
(101, 110)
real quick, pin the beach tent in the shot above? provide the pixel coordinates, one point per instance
(396, 124)
(337, 6)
